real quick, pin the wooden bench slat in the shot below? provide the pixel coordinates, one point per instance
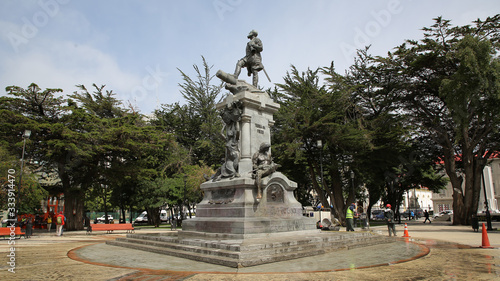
(5, 231)
(112, 227)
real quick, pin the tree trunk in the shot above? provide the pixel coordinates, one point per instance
(154, 216)
(73, 201)
(337, 196)
(123, 219)
(74, 209)
(449, 157)
(317, 187)
(106, 221)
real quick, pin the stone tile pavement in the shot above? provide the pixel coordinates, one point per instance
(454, 254)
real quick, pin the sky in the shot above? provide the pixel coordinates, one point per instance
(137, 47)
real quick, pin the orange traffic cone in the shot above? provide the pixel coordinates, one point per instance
(486, 241)
(406, 231)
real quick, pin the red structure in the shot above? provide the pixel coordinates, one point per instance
(51, 206)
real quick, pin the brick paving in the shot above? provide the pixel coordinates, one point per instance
(455, 254)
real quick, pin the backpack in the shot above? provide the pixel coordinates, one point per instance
(59, 220)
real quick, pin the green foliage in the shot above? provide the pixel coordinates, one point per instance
(387, 121)
(450, 92)
(309, 113)
(98, 103)
(196, 125)
(34, 103)
(26, 198)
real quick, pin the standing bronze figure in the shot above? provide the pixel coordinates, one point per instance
(252, 60)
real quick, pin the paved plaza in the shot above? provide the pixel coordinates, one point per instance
(439, 251)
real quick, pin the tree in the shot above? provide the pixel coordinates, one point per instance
(30, 192)
(451, 93)
(196, 125)
(90, 143)
(391, 166)
(39, 111)
(310, 112)
(127, 152)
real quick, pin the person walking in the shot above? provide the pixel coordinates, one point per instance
(426, 215)
(389, 218)
(364, 220)
(49, 223)
(29, 228)
(60, 223)
(349, 217)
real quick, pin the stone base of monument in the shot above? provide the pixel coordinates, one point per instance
(230, 209)
(248, 252)
(234, 229)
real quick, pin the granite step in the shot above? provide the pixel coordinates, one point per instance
(229, 262)
(249, 252)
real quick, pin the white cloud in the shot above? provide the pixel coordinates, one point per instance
(135, 49)
(66, 64)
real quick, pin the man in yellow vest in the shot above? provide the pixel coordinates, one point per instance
(349, 216)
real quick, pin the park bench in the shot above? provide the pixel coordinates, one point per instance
(5, 231)
(109, 228)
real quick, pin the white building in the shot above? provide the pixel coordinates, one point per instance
(423, 196)
(444, 199)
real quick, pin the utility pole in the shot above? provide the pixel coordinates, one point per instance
(488, 215)
(319, 144)
(26, 135)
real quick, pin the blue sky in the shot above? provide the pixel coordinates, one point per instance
(136, 47)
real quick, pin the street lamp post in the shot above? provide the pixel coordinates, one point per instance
(26, 135)
(356, 219)
(415, 202)
(488, 215)
(352, 183)
(319, 144)
(184, 199)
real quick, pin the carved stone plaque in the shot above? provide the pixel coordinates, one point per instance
(222, 196)
(275, 194)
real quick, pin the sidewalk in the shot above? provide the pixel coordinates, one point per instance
(47, 257)
(445, 231)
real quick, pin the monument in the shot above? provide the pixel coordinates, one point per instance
(248, 197)
(249, 214)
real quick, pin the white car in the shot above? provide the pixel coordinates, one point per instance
(103, 218)
(444, 216)
(142, 218)
(448, 212)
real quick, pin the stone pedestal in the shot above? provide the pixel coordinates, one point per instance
(229, 207)
(256, 120)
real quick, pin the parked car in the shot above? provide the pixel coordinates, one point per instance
(163, 216)
(418, 213)
(444, 215)
(102, 219)
(378, 214)
(143, 217)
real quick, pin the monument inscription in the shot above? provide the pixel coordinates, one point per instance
(222, 196)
